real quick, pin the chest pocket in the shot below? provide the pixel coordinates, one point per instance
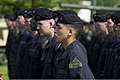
(62, 73)
(34, 53)
(62, 68)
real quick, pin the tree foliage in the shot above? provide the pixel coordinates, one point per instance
(14, 5)
(108, 2)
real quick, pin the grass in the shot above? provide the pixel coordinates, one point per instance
(3, 69)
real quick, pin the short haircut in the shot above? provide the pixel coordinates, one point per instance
(77, 27)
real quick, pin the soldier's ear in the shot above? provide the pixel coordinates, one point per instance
(70, 31)
(51, 24)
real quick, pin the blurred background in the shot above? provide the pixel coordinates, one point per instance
(84, 8)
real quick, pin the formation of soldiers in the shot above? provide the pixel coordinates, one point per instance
(103, 49)
(46, 44)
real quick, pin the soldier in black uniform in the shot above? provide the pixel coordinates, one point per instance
(10, 21)
(109, 62)
(72, 62)
(22, 46)
(101, 32)
(116, 60)
(113, 57)
(16, 40)
(32, 66)
(109, 39)
(45, 24)
(86, 37)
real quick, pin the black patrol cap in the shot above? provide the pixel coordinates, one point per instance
(69, 19)
(117, 20)
(30, 13)
(115, 15)
(27, 13)
(56, 14)
(99, 17)
(20, 12)
(45, 15)
(11, 16)
(108, 16)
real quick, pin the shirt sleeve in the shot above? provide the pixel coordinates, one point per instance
(78, 67)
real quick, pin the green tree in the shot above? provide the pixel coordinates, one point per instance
(108, 2)
(14, 5)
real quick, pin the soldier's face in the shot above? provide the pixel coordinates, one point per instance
(45, 28)
(21, 21)
(109, 25)
(101, 26)
(27, 21)
(8, 23)
(61, 33)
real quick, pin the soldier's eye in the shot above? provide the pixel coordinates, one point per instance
(39, 23)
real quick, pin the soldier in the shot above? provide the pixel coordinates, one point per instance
(72, 62)
(32, 67)
(16, 40)
(109, 39)
(45, 25)
(102, 31)
(10, 19)
(113, 56)
(86, 37)
(109, 62)
(109, 23)
(21, 29)
(21, 51)
(116, 60)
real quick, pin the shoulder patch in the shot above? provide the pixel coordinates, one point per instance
(75, 63)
